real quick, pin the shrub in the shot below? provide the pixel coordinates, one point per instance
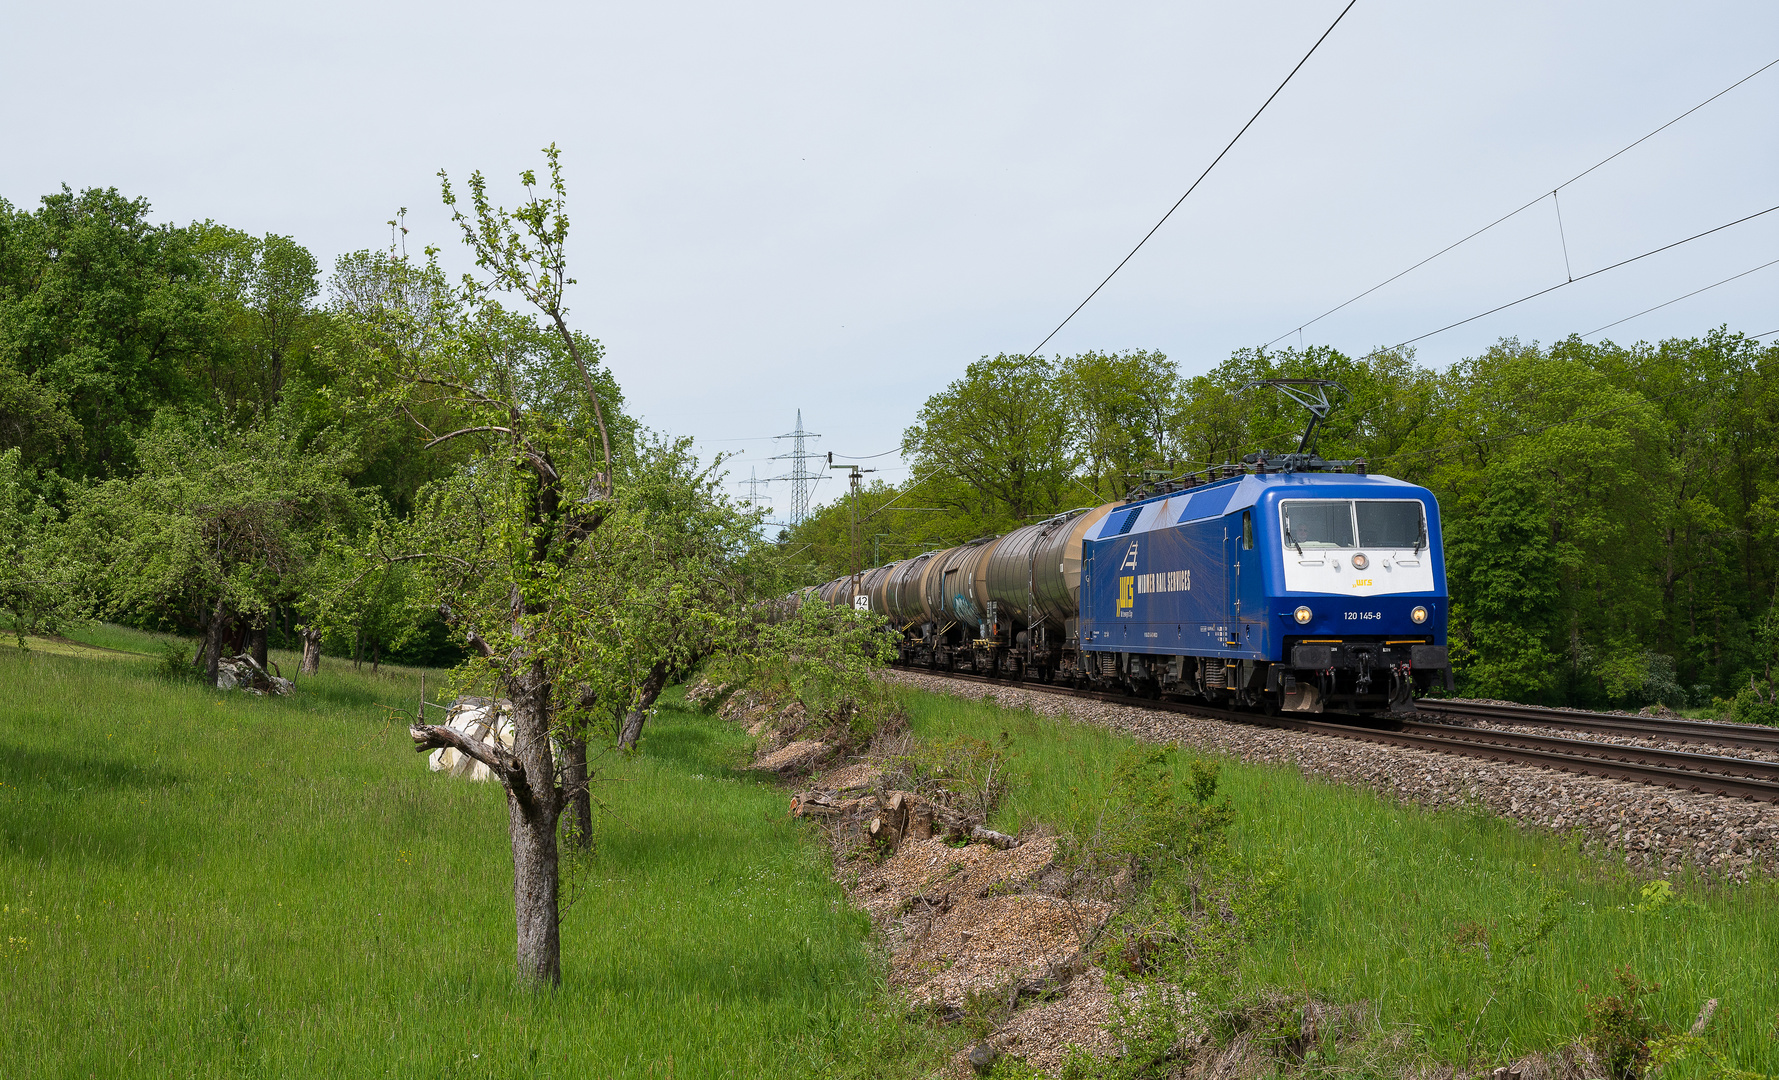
(175, 662)
(1619, 1028)
(1755, 706)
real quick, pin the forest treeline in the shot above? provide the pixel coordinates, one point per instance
(202, 421)
(200, 432)
(1610, 511)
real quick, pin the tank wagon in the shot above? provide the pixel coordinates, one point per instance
(1284, 583)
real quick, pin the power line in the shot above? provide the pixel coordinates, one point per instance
(868, 457)
(1678, 299)
(1201, 176)
(1551, 194)
(1584, 277)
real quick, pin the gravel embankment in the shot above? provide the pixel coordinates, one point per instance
(1655, 830)
(1648, 742)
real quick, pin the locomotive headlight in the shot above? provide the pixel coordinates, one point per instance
(1419, 614)
(1360, 562)
(1302, 615)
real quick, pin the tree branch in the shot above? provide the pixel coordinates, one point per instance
(437, 439)
(500, 763)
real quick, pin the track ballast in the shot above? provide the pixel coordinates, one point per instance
(1729, 777)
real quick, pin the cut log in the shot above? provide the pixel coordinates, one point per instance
(889, 818)
(989, 836)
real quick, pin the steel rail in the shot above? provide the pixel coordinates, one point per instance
(1744, 736)
(1698, 773)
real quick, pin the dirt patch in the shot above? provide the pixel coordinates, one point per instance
(1044, 1035)
(795, 759)
(969, 916)
(859, 776)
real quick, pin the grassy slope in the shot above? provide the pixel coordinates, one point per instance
(1383, 894)
(197, 883)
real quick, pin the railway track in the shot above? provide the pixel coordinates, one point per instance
(1705, 732)
(1730, 777)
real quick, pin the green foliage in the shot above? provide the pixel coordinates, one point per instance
(1124, 411)
(104, 320)
(664, 580)
(1752, 705)
(1620, 1030)
(962, 772)
(823, 655)
(175, 662)
(1003, 429)
(39, 577)
(264, 288)
(221, 519)
(1500, 560)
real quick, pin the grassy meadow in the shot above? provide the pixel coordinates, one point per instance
(196, 883)
(1394, 905)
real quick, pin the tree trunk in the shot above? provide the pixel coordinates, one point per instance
(211, 655)
(311, 651)
(532, 815)
(575, 790)
(376, 653)
(257, 646)
(631, 730)
(539, 944)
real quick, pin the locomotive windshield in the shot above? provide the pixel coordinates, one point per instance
(1324, 524)
(1390, 524)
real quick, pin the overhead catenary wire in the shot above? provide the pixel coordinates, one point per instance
(1584, 277)
(1551, 194)
(1200, 180)
(1678, 299)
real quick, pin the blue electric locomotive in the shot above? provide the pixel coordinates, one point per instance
(1298, 590)
(1285, 583)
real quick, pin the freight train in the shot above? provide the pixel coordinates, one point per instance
(1284, 583)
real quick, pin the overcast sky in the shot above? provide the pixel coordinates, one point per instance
(836, 207)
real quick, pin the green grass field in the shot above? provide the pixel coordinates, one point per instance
(1390, 904)
(203, 884)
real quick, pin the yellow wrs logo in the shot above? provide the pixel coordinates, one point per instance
(1127, 594)
(1361, 582)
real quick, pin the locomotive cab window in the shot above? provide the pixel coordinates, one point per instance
(1330, 524)
(1247, 530)
(1391, 524)
(1319, 524)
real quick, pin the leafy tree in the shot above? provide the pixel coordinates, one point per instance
(385, 304)
(39, 583)
(264, 287)
(1502, 568)
(102, 317)
(511, 546)
(672, 566)
(1003, 430)
(221, 523)
(1121, 408)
